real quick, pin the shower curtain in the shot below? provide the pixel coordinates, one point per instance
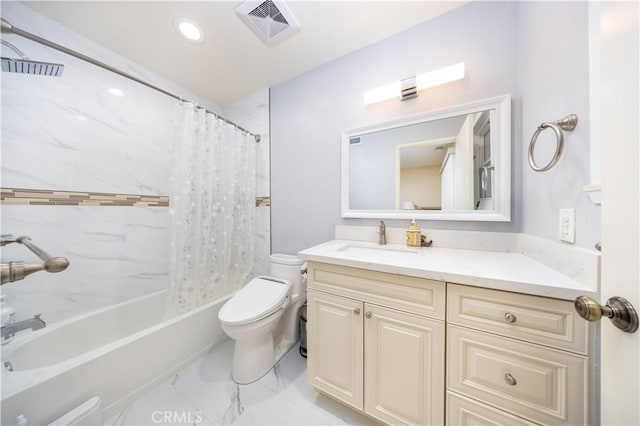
(212, 209)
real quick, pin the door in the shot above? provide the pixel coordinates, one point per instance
(404, 367)
(620, 352)
(448, 188)
(334, 346)
(463, 170)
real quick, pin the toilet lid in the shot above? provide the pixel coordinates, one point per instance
(256, 300)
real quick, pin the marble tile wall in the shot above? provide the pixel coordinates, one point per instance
(72, 133)
(115, 253)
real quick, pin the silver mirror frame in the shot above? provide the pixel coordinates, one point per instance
(501, 149)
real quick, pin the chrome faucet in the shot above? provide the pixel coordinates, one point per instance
(35, 323)
(382, 233)
(14, 271)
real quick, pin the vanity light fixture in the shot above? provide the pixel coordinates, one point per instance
(409, 87)
(189, 30)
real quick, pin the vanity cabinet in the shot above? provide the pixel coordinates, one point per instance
(376, 342)
(515, 359)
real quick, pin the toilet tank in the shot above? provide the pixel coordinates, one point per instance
(287, 267)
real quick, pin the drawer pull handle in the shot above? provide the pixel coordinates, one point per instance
(509, 317)
(511, 381)
(368, 315)
(356, 311)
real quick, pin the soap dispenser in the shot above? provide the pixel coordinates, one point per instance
(413, 235)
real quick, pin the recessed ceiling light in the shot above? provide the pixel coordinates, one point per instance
(116, 92)
(189, 29)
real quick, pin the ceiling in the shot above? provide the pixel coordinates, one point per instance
(233, 62)
(423, 155)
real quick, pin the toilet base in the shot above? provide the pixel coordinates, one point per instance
(251, 361)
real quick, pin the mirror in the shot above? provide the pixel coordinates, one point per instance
(451, 164)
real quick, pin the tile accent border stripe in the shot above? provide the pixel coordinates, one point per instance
(263, 201)
(43, 197)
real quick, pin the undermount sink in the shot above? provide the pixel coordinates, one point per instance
(379, 250)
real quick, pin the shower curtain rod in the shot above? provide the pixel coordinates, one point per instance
(10, 29)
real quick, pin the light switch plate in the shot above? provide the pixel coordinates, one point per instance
(568, 225)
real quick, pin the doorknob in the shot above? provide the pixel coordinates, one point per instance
(618, 309)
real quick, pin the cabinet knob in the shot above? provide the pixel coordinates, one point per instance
(509, 317)
(618, 309)
(511, 381)
(368, 315)
(356, 311)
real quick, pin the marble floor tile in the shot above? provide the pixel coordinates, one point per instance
(204, 394)
(163, 405)
(289, 379)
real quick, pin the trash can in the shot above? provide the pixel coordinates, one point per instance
(303, 330)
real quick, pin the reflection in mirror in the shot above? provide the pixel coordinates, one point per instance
(438, 165)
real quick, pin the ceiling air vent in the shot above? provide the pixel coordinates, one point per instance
(271, 20)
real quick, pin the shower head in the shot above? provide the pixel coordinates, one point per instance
(25, 65)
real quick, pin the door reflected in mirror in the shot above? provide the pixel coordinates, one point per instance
(436, 165)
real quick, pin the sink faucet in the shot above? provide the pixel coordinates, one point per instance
(35, 323)
(382, 234)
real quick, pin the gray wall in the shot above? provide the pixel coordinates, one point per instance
(507, 48)
(554, 81)
(309, 112)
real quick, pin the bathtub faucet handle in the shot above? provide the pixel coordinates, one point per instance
(15, 271)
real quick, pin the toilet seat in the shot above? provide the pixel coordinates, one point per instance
(256, 300)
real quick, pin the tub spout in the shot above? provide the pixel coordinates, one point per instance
(35, 323)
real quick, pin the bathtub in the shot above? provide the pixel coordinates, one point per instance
(116, 354)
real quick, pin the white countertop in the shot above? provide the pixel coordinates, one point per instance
(508, 271)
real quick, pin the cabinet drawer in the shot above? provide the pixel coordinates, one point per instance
(540, 384)
(410, 294)
(549, 322)
(462, 411)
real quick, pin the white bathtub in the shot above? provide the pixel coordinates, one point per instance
(116, 353)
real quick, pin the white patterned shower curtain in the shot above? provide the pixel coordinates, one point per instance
(212, 208)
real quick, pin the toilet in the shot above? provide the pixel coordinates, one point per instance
(262, 318)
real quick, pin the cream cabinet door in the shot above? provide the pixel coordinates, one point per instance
(404, 367)
(334, 346)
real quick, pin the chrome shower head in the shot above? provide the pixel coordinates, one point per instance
(25, 65)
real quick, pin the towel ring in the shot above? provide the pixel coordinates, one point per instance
(567, 123)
